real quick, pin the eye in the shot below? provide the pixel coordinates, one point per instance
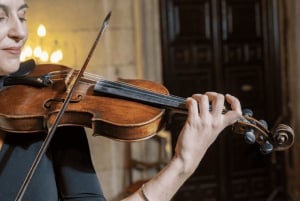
(2, 15)
(3, 18)
(22, 19)
(22, 15)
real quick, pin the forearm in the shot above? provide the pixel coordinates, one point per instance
(164, 185)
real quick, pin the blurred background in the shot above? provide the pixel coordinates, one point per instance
(249, 48)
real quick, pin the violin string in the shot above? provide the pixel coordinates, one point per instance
(93, 76)
(59, 75)
(145, 92)
(173, 100)
(124, 85)
(173, 97)
(121, 84)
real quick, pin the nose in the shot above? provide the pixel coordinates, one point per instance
(18, 29)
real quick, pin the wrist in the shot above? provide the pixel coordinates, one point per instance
(185, 168)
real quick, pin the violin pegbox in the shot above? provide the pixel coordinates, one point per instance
(257, 131)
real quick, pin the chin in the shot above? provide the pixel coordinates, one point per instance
(9, 66)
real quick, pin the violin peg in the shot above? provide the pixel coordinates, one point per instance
(266, 148)
(264, 124)
(247, 112)
(278, 139)
(250, 136)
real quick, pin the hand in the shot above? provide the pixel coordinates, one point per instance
(203, 126)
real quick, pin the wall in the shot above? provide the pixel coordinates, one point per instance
(129, 49)
(75, 24)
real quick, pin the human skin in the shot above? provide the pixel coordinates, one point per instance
(13, 34)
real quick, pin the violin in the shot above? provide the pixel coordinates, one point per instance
(126, 110)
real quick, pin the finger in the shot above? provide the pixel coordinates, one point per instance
(203, 104)
(217, 102)
(192, 107)
(236, 112)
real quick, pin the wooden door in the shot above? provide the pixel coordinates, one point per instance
(228, 46)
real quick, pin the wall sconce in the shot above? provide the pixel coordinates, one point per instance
(39, 53)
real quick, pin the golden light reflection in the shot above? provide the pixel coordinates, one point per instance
(41, 31)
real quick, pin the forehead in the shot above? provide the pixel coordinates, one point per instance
(12, 3)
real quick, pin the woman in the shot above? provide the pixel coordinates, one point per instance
(66, 171)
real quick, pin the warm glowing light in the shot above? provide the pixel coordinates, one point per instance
(28, 51)
(44, 56)
(41, 31)
(56, 56)
(37, 52)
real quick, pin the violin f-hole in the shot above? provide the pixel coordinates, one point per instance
(49, 102)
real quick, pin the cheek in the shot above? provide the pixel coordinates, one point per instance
(2, 35)
(26, 34)
(8, 66)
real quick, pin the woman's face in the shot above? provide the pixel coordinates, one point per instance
(13, 34)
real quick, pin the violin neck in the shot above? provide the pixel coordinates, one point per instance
(131, 92)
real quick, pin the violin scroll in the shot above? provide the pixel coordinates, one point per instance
(283, 136)
(278, 139)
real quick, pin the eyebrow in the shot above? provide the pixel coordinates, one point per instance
(5, 8)
(25, 5)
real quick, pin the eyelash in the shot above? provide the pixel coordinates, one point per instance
(22, 19)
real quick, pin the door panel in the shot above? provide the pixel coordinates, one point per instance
(227, 46)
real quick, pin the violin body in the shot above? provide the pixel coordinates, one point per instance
(28, 109)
